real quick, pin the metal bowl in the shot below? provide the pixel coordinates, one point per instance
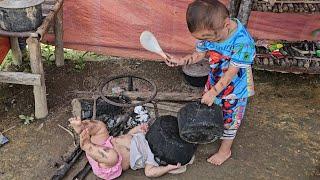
(197, 74)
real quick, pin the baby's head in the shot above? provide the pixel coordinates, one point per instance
(208, 20)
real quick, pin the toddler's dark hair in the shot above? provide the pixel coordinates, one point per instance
(206, 15)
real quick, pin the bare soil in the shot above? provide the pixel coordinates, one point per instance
(279, 137)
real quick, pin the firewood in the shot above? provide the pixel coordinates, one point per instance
(280, 8)
(285, 8)
(265, 61)
(291, 7)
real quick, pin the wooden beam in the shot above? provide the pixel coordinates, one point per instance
(17, 34)
(58, 31)
(16, 52)
(20, 78)
(172, 107)
(166, 96)
(41, 109)
(161, 96)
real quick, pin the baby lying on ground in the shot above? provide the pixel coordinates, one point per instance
(109, 156)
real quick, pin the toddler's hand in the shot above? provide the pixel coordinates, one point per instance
(208, 98)
(173, 167)
(173, 61)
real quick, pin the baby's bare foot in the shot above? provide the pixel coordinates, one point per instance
(76, 124)
(219, 157)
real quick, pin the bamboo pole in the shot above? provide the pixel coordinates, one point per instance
(16, 52)
(58, 31)
(41, 109)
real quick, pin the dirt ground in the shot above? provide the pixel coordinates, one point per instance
(279, 138)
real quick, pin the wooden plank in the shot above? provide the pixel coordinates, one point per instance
(166, 96)
(41, 108)
(166, 107)
(16, 52)
(20, 78)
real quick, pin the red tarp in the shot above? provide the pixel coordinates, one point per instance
(113, 27)
(4, 47)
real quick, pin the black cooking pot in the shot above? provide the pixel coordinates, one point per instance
(20, 15)
(197, 74)
(166, 144)
(199, 123)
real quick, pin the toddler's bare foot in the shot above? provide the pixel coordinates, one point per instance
(219, 157)
(76, 124)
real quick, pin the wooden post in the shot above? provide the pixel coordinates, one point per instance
(16, 52)
(58, 31)
(234, 8)
(244, 11)
(41, 109)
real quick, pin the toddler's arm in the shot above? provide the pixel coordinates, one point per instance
(156, 171)
(100, 154)
(225, 80)
(189, 59)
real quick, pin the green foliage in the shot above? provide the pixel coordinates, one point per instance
(27, 119)
(7, 61)
(47, 52)
(77, 57)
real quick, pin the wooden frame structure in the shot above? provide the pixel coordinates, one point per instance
(36, 78)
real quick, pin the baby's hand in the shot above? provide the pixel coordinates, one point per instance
(144, 128)
(173, 61)
(208, 98)
(173, 167)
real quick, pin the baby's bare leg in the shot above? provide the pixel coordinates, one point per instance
(96, 129)
(76, 124)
